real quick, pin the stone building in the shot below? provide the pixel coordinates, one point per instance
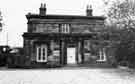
(64, 39)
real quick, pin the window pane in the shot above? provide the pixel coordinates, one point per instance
(39, 53)
(65, 28)
(43, 53)
(68, 30)
(102, 57)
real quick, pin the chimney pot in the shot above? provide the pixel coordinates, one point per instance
(42, 9)
(44, 5)
(89, 10)
(41, 5)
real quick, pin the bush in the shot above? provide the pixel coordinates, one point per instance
(123, 63)
(126, 48)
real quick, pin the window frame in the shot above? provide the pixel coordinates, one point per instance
(65, 28)
(43, 55)
(102, 55)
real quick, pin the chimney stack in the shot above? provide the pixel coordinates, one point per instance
(89, 10)
(42, 9)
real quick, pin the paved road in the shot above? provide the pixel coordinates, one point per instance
(67, 76)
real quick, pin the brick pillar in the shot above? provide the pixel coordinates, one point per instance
(82, 51)
(33, 52)
(27, 52)
(79, 60)
(62, 52)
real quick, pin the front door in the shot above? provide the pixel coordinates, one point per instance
(71, 55)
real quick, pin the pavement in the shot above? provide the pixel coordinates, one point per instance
(67, 76)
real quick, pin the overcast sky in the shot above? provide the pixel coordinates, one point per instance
(15, 22)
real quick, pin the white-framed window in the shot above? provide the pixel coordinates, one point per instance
(41, 53)
(102, 55)
(65, 28)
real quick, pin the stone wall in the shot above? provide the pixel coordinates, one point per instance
(53, 25)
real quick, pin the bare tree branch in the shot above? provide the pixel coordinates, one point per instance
(121, 12)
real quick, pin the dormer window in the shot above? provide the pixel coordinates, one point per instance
(65, 28)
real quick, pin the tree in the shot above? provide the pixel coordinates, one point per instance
(121, 13)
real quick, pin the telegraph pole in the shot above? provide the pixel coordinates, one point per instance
(1, 21)
(7, 39)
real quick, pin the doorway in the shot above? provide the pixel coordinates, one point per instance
(71, 55)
